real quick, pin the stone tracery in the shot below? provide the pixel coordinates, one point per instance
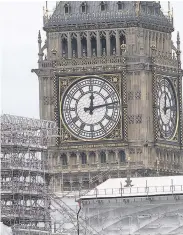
(91, 43)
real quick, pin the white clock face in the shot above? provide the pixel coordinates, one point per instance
(90, 108)
(167, 108)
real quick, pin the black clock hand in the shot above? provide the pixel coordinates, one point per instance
(170, 107)
(91, 104)
(100, 106)
(164, 98)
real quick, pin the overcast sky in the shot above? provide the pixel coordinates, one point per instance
(19, 24)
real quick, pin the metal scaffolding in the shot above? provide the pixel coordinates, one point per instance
(28, 205)
(24, 171)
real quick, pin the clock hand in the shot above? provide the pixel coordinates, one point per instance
(103, 105)
(170, 107)
(164, 98)
(100, 106)
(91, 104)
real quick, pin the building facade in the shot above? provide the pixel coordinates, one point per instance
(110, 76)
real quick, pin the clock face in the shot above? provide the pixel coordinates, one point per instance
(90, 108)
(166, 108)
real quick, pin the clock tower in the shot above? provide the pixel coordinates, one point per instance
(110, 76)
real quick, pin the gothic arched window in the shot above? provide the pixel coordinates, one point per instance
(66, 8)
(122, 156)
(64, 159)
(102, 6)
(64, 47)
(83, 158)
(83, 7)
(103, 157)
(120, 5)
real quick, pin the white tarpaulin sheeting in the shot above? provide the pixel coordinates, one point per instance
(5, 230)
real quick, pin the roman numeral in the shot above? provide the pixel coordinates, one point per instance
(68, 109)
(102, 127)
(109, 118)
(82, 126)
(91, 88)
(109, 95)
(75, 119)
(92, 128)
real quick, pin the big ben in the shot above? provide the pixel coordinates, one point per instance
(110, 77)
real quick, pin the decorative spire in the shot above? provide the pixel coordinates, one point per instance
(169, 14)
(40, 53)
(178, 41)
(46, 6)
(39, 35)
(45, 10)
(137, 8)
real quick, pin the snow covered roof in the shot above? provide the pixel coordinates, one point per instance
(143, 186)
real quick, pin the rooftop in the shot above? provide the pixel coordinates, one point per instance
(130, 13)
(142, 186)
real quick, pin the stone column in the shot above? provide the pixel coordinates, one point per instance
(78, 159)
(117, 157)
(59, 46)
(108, 44)
(107, 156)
(79, 44)
(58, 160)
(69, 45)
(148, 45)
(98, 45)
(88, 44)
(97, 159)
(117, 43)
(87, 158)
(68, 160)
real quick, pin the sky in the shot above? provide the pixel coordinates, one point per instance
(20, 22)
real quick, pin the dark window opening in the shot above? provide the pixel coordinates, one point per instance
(120, 6)
(84, 47)
(74, 47)
(83, 7)
(103, 157)
(113, 45)
(66, 9)
(94, 46)
(64, 160)
(83, 158)
(103, 45)
(102, 6)
(122, 156)
(64, 47)
(122, 40)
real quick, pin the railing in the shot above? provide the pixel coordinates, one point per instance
(84, 61)
(165, 59)
(135, 191)
(96, 167)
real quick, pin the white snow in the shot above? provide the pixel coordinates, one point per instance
(141, 186)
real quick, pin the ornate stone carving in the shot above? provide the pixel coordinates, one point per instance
(138, 95)
(139, 150)
(48, 100)
(131, 150)
(130, 95)
(131, 119)
(138, 119)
